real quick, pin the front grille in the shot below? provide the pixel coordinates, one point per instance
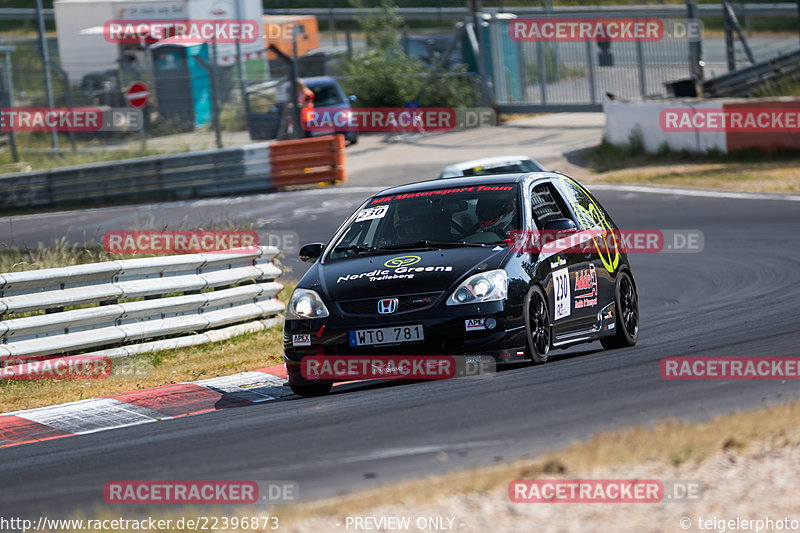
(405, 303)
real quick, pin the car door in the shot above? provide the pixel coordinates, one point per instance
(595, 286)
(565, 265)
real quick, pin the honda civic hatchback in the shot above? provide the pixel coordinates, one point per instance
(436, 268)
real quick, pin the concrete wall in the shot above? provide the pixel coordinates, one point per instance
(649, 121)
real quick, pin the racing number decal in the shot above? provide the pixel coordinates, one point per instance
(589, 218)
(370, 213)
(563, 304)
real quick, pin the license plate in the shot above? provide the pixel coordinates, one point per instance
(393, 335)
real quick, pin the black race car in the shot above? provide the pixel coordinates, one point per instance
(436, 268)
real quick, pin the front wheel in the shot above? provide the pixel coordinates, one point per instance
(627, 315)
(537, 326)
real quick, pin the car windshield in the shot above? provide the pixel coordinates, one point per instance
(506, 167)
(479, 215)
(326, 95)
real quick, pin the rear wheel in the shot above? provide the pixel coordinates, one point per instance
(627, 315)
(316, 389)
(537, 326)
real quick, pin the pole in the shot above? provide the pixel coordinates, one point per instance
(214, 95)
(240, 64)
(695, 42)
(12, 139)
(729, 52)
(48, 85)
(67, 97)
(332, 23)
(295, 75)
(476, 7)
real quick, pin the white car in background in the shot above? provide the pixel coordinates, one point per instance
(503, 164)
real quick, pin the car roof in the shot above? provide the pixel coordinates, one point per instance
(319, 80)
(467, 181)
(483, 161)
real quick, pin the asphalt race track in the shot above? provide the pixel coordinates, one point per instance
(739, 296)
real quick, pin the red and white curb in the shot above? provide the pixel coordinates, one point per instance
(142, 406)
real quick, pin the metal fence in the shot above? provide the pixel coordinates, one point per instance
(550, 76)
(520, 76)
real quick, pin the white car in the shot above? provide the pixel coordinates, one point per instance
(504, 164)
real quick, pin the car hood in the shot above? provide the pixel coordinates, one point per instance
(407, 272)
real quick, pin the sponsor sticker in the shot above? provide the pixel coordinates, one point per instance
(586, 288)
(441, 192)
(400, 272)
(475, 324)
(301, 339)
(402, 261)
(371, 213)
(561, 292)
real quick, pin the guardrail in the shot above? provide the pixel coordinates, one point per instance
(118, 305)
(743, 81)
(240, 170)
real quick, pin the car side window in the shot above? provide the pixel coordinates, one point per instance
(547, 204)
(588, 213)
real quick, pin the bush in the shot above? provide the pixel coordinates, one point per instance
(385, 77)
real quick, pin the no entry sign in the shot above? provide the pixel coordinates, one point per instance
(137, 94)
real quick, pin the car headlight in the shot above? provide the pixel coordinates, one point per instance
(305, 304)
(484, 287)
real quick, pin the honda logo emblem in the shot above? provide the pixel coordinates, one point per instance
(387, 306)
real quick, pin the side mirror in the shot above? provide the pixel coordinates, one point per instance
(560, 224)
(352, 98)
(310, 252)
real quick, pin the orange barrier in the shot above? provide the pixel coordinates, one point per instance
(307, 161)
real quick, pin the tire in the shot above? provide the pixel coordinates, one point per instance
(626, 304)
(316, 389)
(539, 334)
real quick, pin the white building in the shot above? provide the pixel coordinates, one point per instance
(83, 48)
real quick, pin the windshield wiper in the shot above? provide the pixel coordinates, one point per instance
(355, 248)
(433, 244)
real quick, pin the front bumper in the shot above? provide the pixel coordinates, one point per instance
(445, 333)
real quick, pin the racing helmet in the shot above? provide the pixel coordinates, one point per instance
(495, 213)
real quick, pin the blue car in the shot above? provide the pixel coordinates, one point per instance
(328, 93)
